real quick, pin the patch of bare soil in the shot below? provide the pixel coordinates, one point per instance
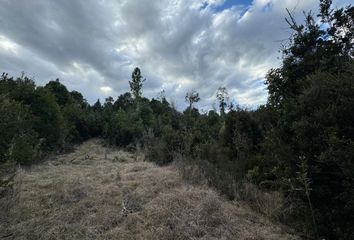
(101, 193)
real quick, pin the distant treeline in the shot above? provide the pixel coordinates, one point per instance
(300, 143)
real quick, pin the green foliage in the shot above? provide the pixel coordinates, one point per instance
(24, 148)
(21, 89)
(163, 149)
(146, 115)
(313, 97)
(48, 121)
(322, 118)
(122, 130)
(61, 94)
(37, 120)
(97, 106)
(76, 123)
(78, 99)
(124, 101)
(17, 136)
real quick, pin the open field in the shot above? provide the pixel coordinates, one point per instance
(100, 193)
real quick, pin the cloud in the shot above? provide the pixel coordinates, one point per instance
(93, 46)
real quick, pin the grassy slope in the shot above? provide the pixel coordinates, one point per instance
(99, 193)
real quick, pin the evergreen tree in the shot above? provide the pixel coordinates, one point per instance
(136, 84)
(312, 95)
(49, 122)
(61, 93)
(124, 101)
(97, 106)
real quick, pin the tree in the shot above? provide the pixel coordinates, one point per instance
(18, 139)
(311, 48)
(49, 122)
(21, 90)
(61, 93)
(222, 95)
(97, 106)
(76, 123)
(192, 97)
(109, 101)
(124, 101)
(313, 98)
(136, 84)
(161, 96)
(79, 99)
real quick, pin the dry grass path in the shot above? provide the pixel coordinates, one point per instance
(100, 193)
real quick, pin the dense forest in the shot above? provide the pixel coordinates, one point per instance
(300, 143)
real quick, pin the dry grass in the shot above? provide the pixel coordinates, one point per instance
(100, 193)
(270, 203)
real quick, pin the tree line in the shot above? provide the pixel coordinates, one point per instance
(301, 142)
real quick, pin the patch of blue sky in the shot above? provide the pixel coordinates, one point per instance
(230, 3)
(324, 27)
(227, 4)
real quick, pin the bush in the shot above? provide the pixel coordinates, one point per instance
(18, 139)
(24, 148)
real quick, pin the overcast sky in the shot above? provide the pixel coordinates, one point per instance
(92, 46)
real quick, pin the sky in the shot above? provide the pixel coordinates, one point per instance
(93, 46)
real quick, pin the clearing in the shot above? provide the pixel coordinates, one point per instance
(101, 193)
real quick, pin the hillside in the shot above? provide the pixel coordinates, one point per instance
(100, 193)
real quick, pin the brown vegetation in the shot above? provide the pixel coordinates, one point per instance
(100, 193)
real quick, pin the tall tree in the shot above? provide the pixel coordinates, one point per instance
(136, 84)
(312, 47)
(312, 94)
(222, 95)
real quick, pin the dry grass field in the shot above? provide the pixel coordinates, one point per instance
(100, 193)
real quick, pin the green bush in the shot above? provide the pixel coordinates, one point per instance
(18, 139)
(23, 149)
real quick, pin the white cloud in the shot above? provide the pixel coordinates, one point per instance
(106, 89)
(93, 46)
(7, 45)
